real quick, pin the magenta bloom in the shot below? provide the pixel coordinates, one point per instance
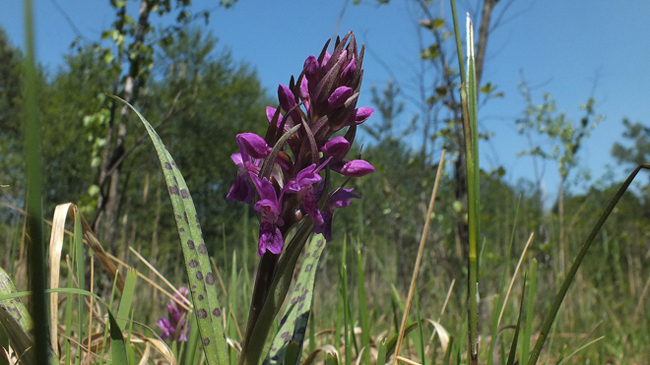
(175, 325)
(336, 200)
(251, 149)
(319, 110)
(270, 207)
(303, 185)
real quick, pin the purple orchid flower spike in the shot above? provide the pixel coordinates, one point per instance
(317, 107)
(175, 326)
(252, 148)
(303, 185)
(336, 200)
(270, 207)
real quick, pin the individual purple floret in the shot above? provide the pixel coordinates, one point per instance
(310, 132)
(303, 185)
(175, 325)
(269, 206)
(337, 200)
(251, 149)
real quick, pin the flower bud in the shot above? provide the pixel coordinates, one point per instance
(339, 96)
(336, 147)
(354, 168)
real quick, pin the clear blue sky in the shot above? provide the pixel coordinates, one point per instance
(560, 46)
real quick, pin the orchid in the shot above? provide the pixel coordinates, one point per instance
(302, 141)
(175, 325)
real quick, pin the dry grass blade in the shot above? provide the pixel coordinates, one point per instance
(89, 238)
(158, 344)
(443, 334)
(92, 241)
(56, 245)
(444, 305)
(159, 275)
(514, 276)
(145, 356)
(327, 349)
(182, 303)
(407, 361)
(418, 260)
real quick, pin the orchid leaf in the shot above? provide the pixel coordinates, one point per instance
(294, 321)
(197, 263)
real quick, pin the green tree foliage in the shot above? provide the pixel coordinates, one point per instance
(639, 152)
(217, 98)
(200, 97)
(10, 102)
(566, 138)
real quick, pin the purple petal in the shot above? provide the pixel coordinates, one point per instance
(308, 175)
(241, 190)
(326, 228)
(336, 147)
(354, 168)
(326, 59)
(265, 189)
(361, 115)
(310, 204)
(174, 315)
(166, 327)
(339, 96)
(342, 198)
(270, 239)
(253, 145)
(270, 113)
(237, 159)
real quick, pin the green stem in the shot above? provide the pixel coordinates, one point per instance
(265, 271)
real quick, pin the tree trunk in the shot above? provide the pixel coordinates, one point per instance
(483, 32)
(111, 168)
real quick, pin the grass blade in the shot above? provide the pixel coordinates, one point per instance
(118, 347)
(559, 298)
(127, 298)
(530, 306)
(34, 183)
(363, 308)
(580, 349)
(515, 339)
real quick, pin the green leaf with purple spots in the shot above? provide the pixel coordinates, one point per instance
(195, 253)
(294, 321)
